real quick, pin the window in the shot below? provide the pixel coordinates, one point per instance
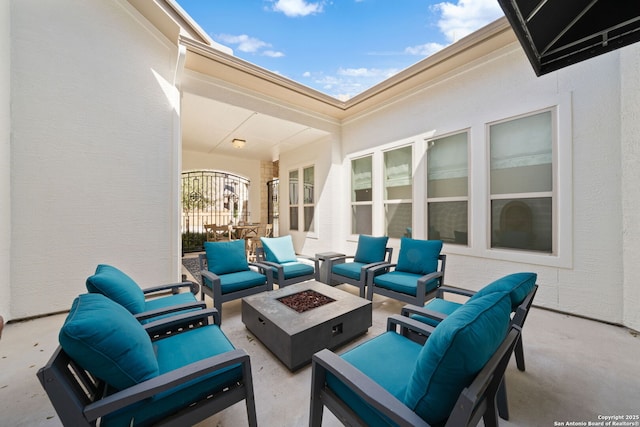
(448, 188)
(293, 200)
(308, 198)
(398, 191)
(304, 193)
(521, 183)
(362, 195)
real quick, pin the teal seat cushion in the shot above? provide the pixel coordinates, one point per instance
(173, 353)
(296, 269)
(387, 359)
(233, 282)
(438, 305)
(279, 249)
(119, 287)
(454, 354)
(348, 269)
(370, 249)
(518, 285)
(403, 282)
(106, 340)
(226, 257)
(418, 256)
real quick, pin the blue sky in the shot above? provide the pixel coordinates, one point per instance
(339, 47)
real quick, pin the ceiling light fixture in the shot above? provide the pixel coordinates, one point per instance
(238, 143)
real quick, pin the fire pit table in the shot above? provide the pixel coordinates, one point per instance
(299, 320)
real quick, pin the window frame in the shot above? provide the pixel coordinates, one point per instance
(301, 204)
(353, 203)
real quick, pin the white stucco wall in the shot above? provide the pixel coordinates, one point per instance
(93, 150)
(587, 279)
(5, 163)
(630, 117)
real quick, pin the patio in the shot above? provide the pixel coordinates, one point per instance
(577, 371)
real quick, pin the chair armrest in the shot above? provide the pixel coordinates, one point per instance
(429, 277)
(365, 388)
(163, 383)
(410, 309)
(212, 277)
(264, 269)
(165, 324)
(173, 287)
(279, 269)
(453, 290)
(407, 323)
(172, 309)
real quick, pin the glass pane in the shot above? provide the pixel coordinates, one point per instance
(308, 218)
(398, 219)
(398, 174)
(447, 166)
(522, 224)
(308, 185)
(448, 222)
(361, 181)
(293, 218)
(361, 219)
(293, 187)
(521, 155)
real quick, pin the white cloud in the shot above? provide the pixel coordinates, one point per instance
(243, 42)
(425, 50)
(348, 82)
(273, 54)
(293, 8)
(247, 44)
(464, 17)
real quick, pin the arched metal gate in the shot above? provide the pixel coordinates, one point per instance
(211, 197)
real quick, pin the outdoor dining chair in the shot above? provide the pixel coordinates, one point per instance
(416, 276)
(352, 269)
(145, 304)
(110, 370)
(392, 380)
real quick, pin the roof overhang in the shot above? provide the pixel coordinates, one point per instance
(558, 33)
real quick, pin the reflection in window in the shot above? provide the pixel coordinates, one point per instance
(293, 200)
(361, 195)
(398, 191)
(521, 152)
(308, 198)
(447, 189)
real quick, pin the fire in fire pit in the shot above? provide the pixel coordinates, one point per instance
(305, 300)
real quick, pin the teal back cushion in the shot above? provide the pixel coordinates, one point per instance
(226, 257)
(518, 285)
(455, 352)
(116, 285)
(106, 340)
(279, 249)
(370, 249)
(418, 256)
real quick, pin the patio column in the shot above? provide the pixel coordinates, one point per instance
(5, 161)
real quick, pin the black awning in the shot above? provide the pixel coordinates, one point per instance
(558, 33)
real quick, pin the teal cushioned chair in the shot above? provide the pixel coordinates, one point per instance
(287, 266)
(391, 380)
(146, 304)
(521, 288)
(113, 371)
(415, 278)
(227, 275)
(371, 251)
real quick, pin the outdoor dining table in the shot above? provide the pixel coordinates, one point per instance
(245, 231)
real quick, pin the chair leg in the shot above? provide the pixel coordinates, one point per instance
(503, 402)
(519, 351)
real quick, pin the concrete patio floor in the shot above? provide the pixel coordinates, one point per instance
(578, 370)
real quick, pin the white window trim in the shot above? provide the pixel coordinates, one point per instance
(301, 205)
